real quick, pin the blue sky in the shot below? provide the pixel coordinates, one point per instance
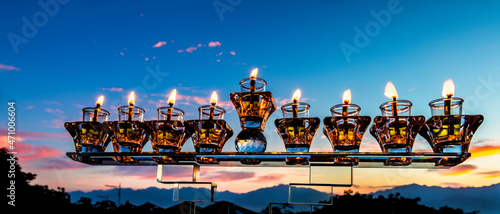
(89, 48)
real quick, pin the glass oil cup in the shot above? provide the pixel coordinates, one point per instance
(396, 129)
(297, 130)
(168, 133)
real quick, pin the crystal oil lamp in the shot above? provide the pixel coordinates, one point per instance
(296, 128)
(254, 105)
(448, 131)
(91, 134)
(210, 132)
(345, 128)
(396, 129)
(130, 132)
(168, 134)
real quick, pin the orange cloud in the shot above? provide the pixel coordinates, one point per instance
(490, 174)
(487, 150)
(159, 44)
(459, 170)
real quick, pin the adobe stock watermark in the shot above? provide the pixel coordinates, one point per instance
(483, 91)
(40, 19)
(362, 38)
(221, 7)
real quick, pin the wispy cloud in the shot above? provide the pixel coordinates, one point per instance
(268, 178)
(193, 48)
(232, 53)
(159, 44)
(8, 68)
(226, 176)
(54, 111)
(112, 89)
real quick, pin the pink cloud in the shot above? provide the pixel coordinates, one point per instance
(113, 89)
(490, 174)
(121, 53)
(232, 53)
(159, 44)
(214, 44)
(218, 60)
(226, 176)
(268, 178)
(30, 107)
(8, 68)
(191, 49)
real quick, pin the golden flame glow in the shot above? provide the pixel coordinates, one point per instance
(171, 98)
(99, 101)
(213, 99)
(253, 75)
(131, 98)
(448, 88)
(347, 96)
(390, 91)
(296, 96)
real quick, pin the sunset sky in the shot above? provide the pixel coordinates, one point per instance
(59, 57)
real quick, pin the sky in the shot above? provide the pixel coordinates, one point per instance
(59, 56)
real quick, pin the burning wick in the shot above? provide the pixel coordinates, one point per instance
(390, 91)
(253, 77)
(347, 99)
(131, 103)
(448, 91)
(295, 100)
(97, 108)
(213, 102)
(171, 102)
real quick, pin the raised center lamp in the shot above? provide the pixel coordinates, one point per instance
(297, 129)
(254, 105)
(345, 128)
(90, 135)
(448, 130)
(130, 132)
(169, 133)
(210, 132)
(396, 129)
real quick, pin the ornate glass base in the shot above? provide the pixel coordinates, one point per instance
(253, 108)
(297, 133)
(89, 136)
(208, 135)
(345, 133)
(451, 134)
(396, 134)
(250, 140)
(129, 136)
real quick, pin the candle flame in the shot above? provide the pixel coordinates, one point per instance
(347, 96)
(448, 88)
(213, 99)
(296, 96)
(390, 91)
(253, 75)
(171, 98)
(100, 101)
(131, 98)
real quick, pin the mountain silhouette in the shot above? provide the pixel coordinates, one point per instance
(469, 199)
(486, 198)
